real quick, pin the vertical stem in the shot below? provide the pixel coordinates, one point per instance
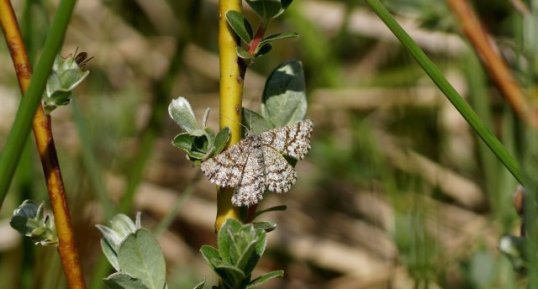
(449, 91)
(41, 126)
(232, 73)
(484, 46)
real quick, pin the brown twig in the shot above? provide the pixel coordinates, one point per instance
(47, 151)
(484, 47)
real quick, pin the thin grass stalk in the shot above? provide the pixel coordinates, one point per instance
(29, 109)
(448, 90)
(232, 73)
(90, 162)
(479, 98)
(484, 47)
(162, 90)
(171, 214)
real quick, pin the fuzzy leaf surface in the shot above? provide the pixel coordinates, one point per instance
(239, 25)
(181, 112)
(123, 281)
(264, 278)
(284, 97)
(140, 256)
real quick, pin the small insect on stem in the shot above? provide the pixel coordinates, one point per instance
(81, 58)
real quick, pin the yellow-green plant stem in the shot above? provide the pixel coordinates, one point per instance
(30, 109)
(232, 72)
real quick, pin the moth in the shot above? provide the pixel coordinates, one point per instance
(257, 163)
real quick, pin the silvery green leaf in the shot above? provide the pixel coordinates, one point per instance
(279, 36)
(138, 222)
(21, 216)
(71, 78)
(284, 98)
(221, 140)
(38, 232)
(239, 25)
(200, 132)
(243, 53)
(181, 112)
(266, 9)
(232, 276)
(122, 225)
(211, 255)
(200, 285)
(254, 122)
(268, 226)
(120, 280)
(248, 258)
(111, 236)
(66, 75)
(225, 241)
(140, 256)
(184, 141)
(110, 253)
(40, 214)
(30, 221)
(27, 209)
(514, 248)
(264, 278)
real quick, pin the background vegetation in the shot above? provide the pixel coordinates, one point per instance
(397, 192)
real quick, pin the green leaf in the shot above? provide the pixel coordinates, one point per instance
(279, 36)
(121, 280)
(196, 147)
(110, 254)
(199, 285)
(221, 140)
(239, 25)
(231, 275)
(140, 256)
(284, 97)
(266, 9)
(27, 210)
(225, 240)
(181, 112)
(254, 122)
(31, 221)
(262, 50)
(123, 225)
(249, 257)
(243, 53)
(264, 278)
(265, 226)
(184, 141)
(285, 3)
(249, 260)
(211, 255)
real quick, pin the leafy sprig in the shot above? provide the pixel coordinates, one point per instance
(135, 254)
(240, 247)
(257, 44)
(31, 221)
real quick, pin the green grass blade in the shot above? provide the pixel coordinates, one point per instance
(90, 162)
(453, 96)
(29, 103)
